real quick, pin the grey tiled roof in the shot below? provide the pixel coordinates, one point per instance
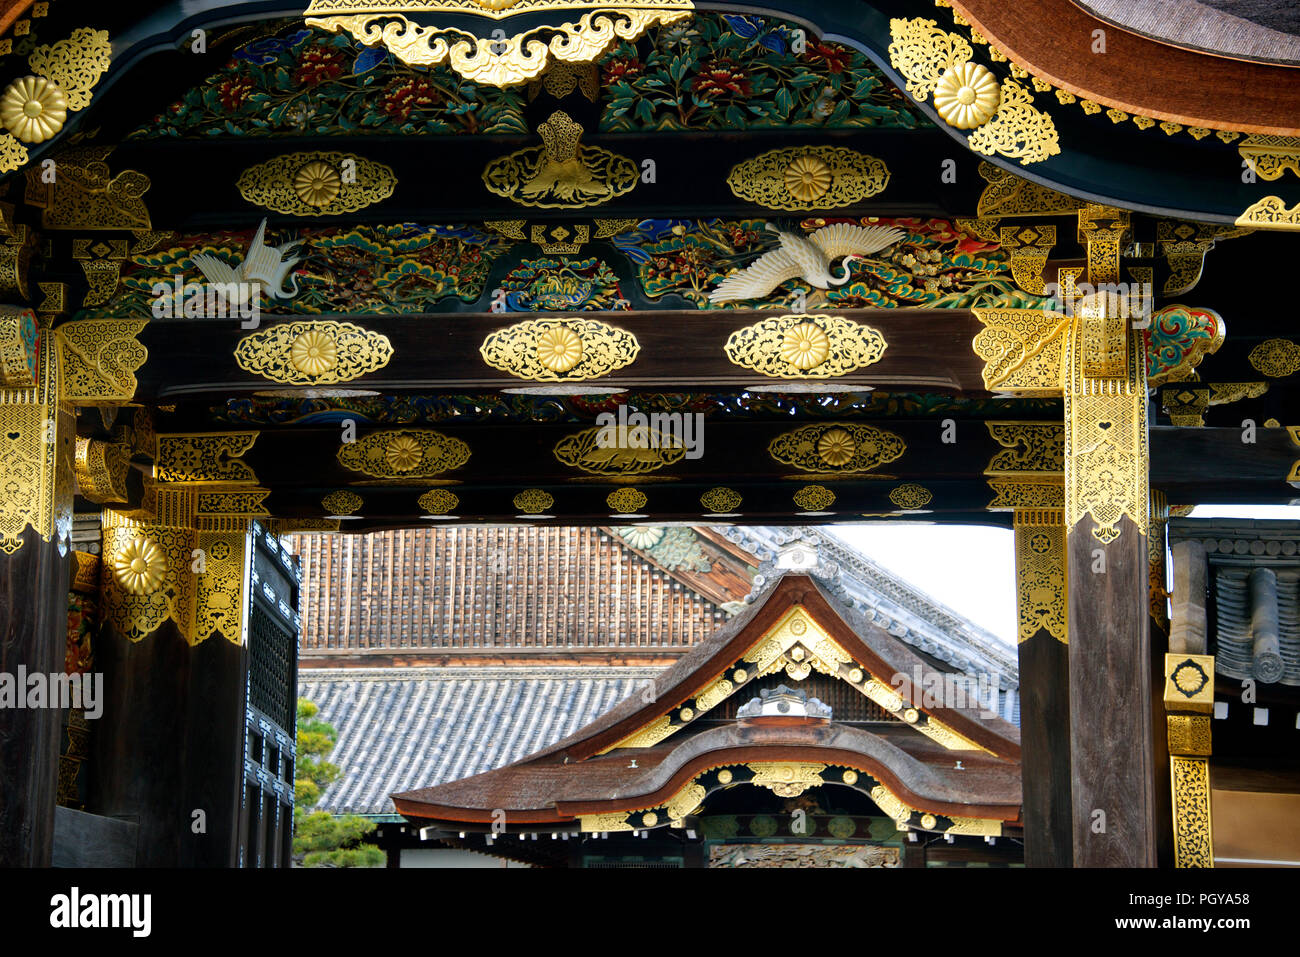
(405, 729)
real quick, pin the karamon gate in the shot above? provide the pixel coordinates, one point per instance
(365, 265)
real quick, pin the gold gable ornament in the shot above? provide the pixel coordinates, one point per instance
(509, 61)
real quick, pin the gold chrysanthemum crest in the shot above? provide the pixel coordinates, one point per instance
(967, 96)
(33, 109)
(560, 350)
(836, 448)
(313, 352)
(140, 566)
(808, 177)
(405, 453)
(341, 503)
(1001, 115)
(805, 347)
(317, 183)
(438, 501)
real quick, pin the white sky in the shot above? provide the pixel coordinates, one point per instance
(972, 569)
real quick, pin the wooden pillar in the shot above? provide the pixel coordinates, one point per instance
(1043, 652)
(35, 524)
(174, 655)
(1106, 517)
(1158, 602)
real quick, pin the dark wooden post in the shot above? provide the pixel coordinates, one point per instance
(1106, 517)
(1044, 686)
(35, 562)
(1157, 546)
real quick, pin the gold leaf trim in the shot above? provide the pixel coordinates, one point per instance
(313, 352)
(313, 184)
(562, 173)
(808, 177)
(560, 350)
(868, 448)
(805, 347)
(438, 453)
(501, 63)
(1271, 213)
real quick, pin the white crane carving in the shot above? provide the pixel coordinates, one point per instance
(808, 258)
(263, 269)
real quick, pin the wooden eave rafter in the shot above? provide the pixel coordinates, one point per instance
(1053, 39)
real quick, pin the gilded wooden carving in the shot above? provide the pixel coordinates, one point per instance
(1040, 572)
(317, 183)
(1002, 116)
(101, 469)
(438, 501)
(1276, 358)
(1193, 833)
(805, 347)
(808, 178)
(100, 358)
(840, 448)
(313, 352)
(721, 500)
(405, 453)
(618, 450)
(563, 173)
(204, 458)
(34, 108)
(1022, 350)
(18, 347)
(560, 350)
(509, 61)
(1271, 213)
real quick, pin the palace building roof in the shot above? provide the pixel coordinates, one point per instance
(652, 759)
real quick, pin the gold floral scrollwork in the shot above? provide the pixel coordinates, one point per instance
(721, 500)
(1193, 834)
(805, 347)
(686, 801)
(841, 448)
(1106, 452)
(560, 350)
(101, 469)
(1269, 155)
(1009, 195)
(533, 501)
(341, 502)
(1028, 472)
(405, 453)
(1022, 350)
(1018, 130)
(317, 183)
(313, 352)
(808, 178)
(911, 496)
(204, 458)
(620, 450)
(438, 501)
(602, 823)
(814, 498)
(1003, 118)
(1271, 213)
(36, 467)
(508, 61)
(626, 501)
(86, 195)
(787, 778)
(1040, 572)
(100, 358)
(35, 108)
(1276, 358)
(563, 173)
